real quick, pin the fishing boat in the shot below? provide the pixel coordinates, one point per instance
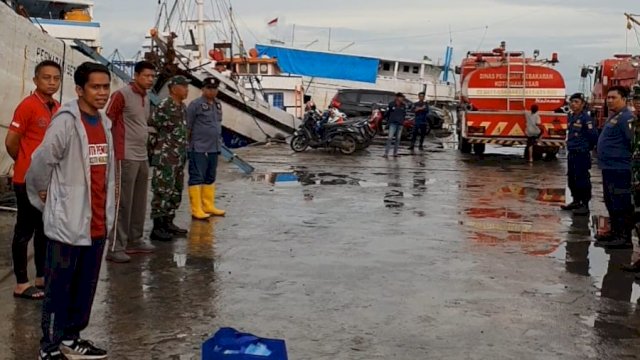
(179, 49)
(326, 72)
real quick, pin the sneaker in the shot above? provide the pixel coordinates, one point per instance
(82, 349)
(620, 242)
(583, 210)
(572, 206)
(55, 355)
(118, 257)
(604, 237)
(140, 247)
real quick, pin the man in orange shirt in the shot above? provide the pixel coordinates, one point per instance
(26, 131)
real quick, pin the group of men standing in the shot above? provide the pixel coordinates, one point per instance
(616, 145)
(396, 115)
(81, 183)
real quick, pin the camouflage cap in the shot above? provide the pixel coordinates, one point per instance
(178, 80)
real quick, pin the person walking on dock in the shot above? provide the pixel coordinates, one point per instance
(26, 131)
(168, 148)
(421, 122)
(72, 181)
(581, 138)
(614, 159)
(532, 130)
(130, 111)
(396, 114)
(204, 127)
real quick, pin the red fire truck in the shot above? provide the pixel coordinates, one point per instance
(497, 88)
(622, 69)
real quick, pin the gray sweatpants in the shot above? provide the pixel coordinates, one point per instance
(134, 179)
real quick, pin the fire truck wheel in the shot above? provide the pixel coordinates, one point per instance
(478, 149)
(463, 145)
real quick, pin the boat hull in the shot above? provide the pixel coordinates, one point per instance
(24, 46)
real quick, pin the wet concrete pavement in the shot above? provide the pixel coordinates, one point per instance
(429, 256)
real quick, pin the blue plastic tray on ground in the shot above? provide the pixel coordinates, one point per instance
(230, 339)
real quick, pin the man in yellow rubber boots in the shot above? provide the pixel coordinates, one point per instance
(204, 127)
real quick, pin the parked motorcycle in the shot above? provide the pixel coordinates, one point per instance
(379, 122)
(316, 133)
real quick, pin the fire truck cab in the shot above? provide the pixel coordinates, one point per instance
(622, 69)
(498, 87)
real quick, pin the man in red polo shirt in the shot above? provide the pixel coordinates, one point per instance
(26, 131)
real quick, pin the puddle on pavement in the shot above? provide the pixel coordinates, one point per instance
(617, 314)
(304, 178)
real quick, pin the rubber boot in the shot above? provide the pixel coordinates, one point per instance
(195, 198)
(159, 232)
(172, 228)
(209, 200)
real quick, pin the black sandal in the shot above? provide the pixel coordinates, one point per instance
(31, 293)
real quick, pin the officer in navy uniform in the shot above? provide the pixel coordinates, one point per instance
(582, 136)
(615, 147)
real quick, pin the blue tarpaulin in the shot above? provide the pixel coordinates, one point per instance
(322, 64)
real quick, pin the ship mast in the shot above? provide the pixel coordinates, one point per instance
(201, 31)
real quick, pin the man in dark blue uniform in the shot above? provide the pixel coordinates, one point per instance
(421, 121)
(614, 158)
(582, 136)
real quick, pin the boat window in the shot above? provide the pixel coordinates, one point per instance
(416, 69)
(253, 69)
(276, 99)
(405, 68)
(386, 66)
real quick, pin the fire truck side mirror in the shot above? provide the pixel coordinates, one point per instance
(584, 72)
(457, 70)
(635, 92)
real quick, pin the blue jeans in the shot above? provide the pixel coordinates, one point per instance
(202, 168)
(395, 130)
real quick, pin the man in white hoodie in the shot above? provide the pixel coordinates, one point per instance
(72, 180)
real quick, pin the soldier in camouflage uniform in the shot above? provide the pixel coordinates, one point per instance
(168, 156)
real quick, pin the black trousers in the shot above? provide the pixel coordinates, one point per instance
(578, 176)
(72, 277)
(616, 186)
(28, 225)
(419, 129)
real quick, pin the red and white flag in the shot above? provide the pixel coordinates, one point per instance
(273, 22)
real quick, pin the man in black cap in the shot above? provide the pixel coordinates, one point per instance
(582, 136)
(395, 118)
(204, 127)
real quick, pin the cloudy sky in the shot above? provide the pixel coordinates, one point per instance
(581, 31)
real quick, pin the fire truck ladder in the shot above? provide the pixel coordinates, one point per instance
(516, 70)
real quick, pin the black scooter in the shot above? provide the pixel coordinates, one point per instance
(334, 136)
